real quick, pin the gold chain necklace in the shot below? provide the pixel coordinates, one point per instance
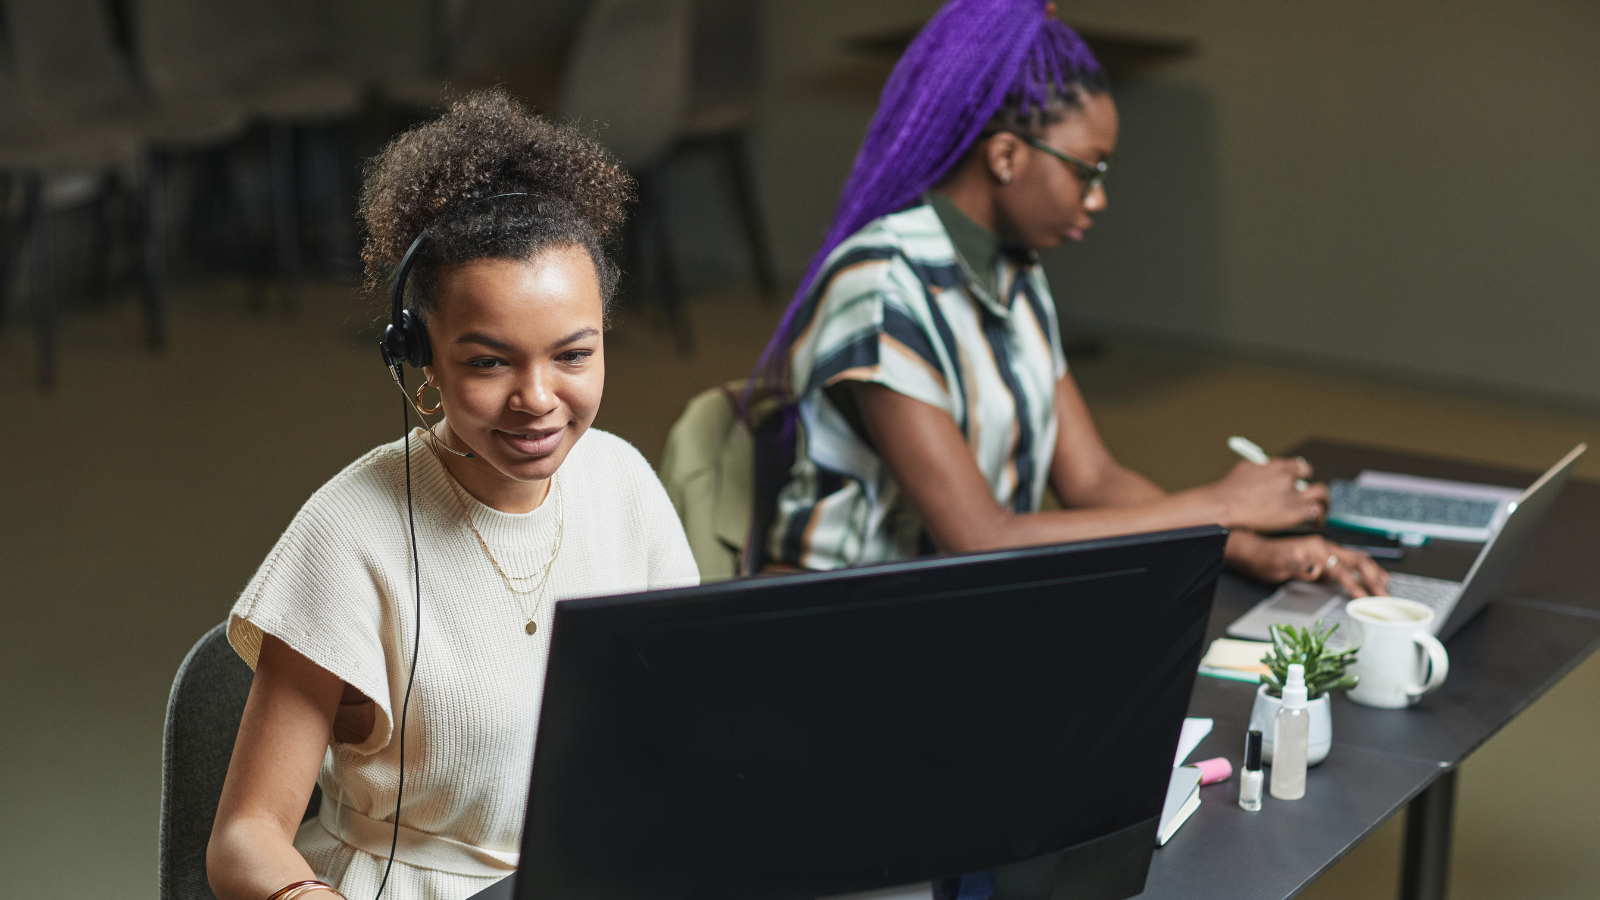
(511, 580)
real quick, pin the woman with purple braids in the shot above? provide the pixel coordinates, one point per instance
(922, 355)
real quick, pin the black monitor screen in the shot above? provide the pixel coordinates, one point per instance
(804, 735)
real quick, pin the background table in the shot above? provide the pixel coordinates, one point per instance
(1545, 622)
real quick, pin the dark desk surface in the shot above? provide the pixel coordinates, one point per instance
(1223, 851)
(1544, 625)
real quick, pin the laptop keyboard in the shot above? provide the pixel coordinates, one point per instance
(1434, 593)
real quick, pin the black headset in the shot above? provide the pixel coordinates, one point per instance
(405, 342)
(406, 338)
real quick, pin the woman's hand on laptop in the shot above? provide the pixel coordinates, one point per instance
(1263, 497)
(1309, 558)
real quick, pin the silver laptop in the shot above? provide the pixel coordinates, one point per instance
(1454, 603)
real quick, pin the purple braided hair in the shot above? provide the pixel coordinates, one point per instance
(971, 59)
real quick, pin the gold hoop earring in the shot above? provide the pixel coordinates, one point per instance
(424, 409)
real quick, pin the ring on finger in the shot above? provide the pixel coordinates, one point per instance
(1332, 561)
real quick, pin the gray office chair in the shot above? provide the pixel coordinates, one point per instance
(203, 716)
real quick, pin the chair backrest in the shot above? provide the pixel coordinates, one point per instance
(629, 72)
(203, 714)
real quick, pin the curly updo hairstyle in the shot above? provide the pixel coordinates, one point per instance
(438, 175)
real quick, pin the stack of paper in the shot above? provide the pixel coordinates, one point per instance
(1235, 660)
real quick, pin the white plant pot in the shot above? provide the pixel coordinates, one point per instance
(1318, 742)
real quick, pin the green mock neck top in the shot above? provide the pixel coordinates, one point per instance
(976, 246)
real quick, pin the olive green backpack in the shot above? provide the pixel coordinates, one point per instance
(723, 467)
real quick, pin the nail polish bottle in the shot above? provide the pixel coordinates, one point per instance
(1250, 777)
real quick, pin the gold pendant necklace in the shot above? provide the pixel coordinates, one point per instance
(511, 580)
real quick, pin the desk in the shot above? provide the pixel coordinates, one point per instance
(1546, 622)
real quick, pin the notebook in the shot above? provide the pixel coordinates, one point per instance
(1183, 798)
(1183, 791)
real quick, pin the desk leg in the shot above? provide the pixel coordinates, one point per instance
(1430, 817)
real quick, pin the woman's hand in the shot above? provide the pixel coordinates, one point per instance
(1264, 497)
(1309, 558)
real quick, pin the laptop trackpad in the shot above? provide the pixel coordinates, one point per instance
(1302, 598)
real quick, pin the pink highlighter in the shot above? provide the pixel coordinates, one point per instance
(1214, 770)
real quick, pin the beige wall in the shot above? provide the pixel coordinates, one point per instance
(1408, 186)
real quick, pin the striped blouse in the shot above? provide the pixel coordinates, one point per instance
(897, 305)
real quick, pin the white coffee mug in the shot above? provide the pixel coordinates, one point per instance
(1400, 659)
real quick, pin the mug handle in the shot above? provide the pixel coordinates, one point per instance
(1438, 664)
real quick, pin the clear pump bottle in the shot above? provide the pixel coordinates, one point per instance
(1289, 734)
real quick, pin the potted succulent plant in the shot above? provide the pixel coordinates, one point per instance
(1325, 671)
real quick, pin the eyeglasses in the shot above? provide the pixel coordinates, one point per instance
(1093, 174)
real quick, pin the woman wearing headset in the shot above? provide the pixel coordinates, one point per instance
(517, 503)
(922, 352)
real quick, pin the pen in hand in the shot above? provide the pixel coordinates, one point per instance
(1253, 453)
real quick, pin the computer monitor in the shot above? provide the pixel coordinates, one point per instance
(800, 736)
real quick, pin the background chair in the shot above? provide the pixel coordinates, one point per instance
(82, 132)
(49, 165)
(659, 77)
(273, 60)
(203, 714)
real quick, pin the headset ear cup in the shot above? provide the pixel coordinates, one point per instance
(418, 351)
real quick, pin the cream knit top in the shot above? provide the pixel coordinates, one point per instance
(338, 589)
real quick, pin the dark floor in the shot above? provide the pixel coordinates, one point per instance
(144, 492)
